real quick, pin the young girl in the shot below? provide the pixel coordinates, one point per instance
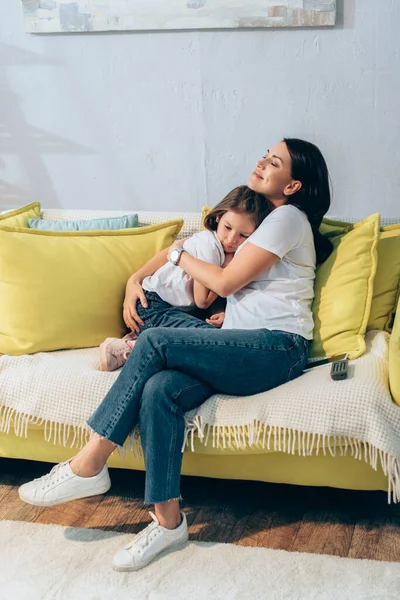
(170, 288)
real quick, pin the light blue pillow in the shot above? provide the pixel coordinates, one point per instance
(124, 222)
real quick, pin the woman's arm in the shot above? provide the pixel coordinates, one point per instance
(202, 295)
(246, 266)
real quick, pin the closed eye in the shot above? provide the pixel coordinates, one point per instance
(274, 164)
(241, 234)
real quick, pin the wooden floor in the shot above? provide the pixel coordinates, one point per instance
(319, 520)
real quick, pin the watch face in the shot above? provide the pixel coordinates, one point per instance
(174, 255)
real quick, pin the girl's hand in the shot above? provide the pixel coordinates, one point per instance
(216, 320)
(177, 244)
(133, 293)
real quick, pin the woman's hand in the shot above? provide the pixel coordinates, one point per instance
(177, 244)
(216, 320)
(133, 293)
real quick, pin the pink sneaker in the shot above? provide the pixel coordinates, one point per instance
(114, 352)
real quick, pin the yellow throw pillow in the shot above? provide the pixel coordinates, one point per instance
(63, 289)
(20, 216)
(330, 227)
(343, 292)
(387, 279)
(204, 212)
(394, 358)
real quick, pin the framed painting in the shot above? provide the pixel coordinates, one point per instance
(66, 16)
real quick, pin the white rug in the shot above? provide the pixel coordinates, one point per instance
(50, 562)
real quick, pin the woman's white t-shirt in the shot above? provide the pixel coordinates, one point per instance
(281, 297)
(171, 282)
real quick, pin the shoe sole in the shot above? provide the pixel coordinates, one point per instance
(145, 564)
(56, 502)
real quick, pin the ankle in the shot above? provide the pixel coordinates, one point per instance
(168, 514)
(84, 469)
(170, 523)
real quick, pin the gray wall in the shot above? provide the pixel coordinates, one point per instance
(174, 120)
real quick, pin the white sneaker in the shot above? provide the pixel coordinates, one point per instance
(150, 542)
(62, 485)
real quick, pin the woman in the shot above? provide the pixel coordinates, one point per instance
(263, 343)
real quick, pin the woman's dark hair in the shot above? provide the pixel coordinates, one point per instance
(314, 196)
(242, 200)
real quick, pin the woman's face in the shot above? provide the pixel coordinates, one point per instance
(273, 177)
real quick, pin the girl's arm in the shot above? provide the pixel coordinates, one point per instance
(134, 290)
(151, 266)
(203, 297)
(244, 268)
(216, 320)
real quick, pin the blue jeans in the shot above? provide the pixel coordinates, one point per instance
(161, 314)
(171, 371)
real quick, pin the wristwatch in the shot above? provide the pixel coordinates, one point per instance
(176, 255)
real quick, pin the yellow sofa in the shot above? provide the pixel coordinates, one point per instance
(252, 463)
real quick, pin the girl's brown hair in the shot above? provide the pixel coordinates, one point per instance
(242, 200)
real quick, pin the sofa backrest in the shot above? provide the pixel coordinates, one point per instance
(191, 225)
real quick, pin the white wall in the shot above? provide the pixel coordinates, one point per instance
(176, 119)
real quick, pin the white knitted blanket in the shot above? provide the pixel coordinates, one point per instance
(310, 414)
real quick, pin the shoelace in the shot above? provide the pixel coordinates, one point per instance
(54, 475)
(144, 535)
(120, 351)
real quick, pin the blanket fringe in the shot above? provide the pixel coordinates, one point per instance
(292, 441)
(256, 434)
(61, 434)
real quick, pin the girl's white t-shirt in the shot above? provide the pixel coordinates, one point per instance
(171, 282)
(281, 297)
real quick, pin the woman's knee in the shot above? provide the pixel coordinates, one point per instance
(158, 391)
(150, 337)
(171, 391)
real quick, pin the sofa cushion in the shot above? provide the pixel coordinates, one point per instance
(66, 289)
(387, 279)
(204, 212)
(20, 216)
(343, 291)
(331, 227)
(124, 222)
(191, 224)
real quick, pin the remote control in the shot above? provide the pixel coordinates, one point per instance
(339, 369)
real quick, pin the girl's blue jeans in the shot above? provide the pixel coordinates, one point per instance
(173, 370)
